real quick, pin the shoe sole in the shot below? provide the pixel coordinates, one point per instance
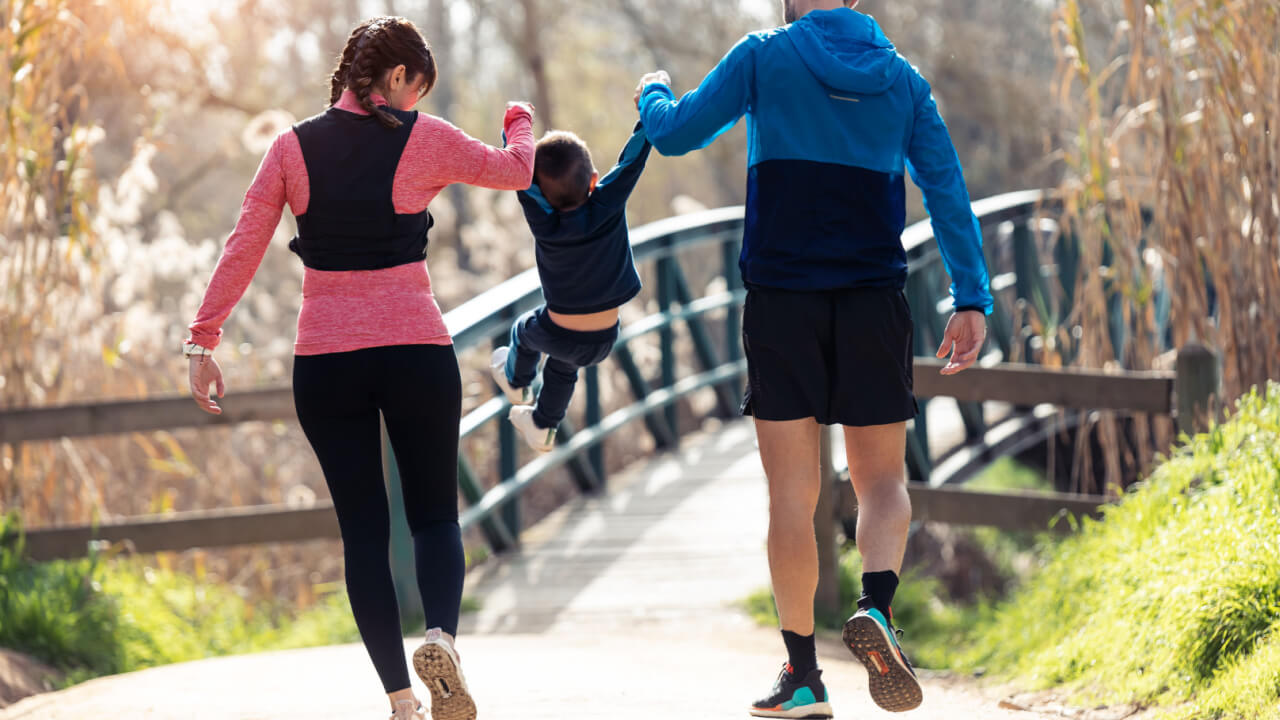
(450, 699)
(893, 687)
(815, 711)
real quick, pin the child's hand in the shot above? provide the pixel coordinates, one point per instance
(660, 76)
(526, 106)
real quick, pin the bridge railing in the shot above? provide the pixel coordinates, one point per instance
(663, 249)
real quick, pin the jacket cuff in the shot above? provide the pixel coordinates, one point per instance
(516, 111)
(209, 342)
(656, 89)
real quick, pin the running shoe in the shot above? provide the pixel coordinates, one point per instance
(498, 368)
(437, 664)
(541, 439)
(873, 640)
(408, 710)
(795, 697)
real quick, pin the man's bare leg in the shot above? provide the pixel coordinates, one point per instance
(876, 467)
(789, 453)
(876, 457)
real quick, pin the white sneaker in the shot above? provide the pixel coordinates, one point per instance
(541, 439)
(498, 368)
(408, 710)
(437, 664)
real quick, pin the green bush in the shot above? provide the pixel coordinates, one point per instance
(1172, 599)
(56, 611)
(95, 616)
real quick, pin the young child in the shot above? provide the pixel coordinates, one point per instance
(584, 259)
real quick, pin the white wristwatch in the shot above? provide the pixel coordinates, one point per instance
(192, 349)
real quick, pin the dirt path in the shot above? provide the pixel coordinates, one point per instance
(619, 608)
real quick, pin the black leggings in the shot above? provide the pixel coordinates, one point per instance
(418, 390)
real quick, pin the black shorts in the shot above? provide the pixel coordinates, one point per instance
(843, 357)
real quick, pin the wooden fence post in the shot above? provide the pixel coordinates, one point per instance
(1195, 388)
(825, 525)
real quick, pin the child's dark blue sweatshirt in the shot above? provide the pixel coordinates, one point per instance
(584, 254)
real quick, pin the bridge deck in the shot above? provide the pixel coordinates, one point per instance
(619, 607)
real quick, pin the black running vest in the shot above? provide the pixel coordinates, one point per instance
(351, 221)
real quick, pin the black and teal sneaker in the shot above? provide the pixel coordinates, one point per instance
(874, 642)
(793, 697)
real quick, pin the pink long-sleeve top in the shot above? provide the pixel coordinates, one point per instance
(352, 310)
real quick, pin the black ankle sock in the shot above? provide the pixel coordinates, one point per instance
(878, 588)
(801, 653)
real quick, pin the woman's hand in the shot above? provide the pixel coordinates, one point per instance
(203, 373)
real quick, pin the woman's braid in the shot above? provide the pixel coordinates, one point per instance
(364, 69)
(338, 81)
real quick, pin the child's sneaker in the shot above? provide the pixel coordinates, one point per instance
(498, 367)
(437, 664)
(873, 640)
(795, 697)
(541, 439)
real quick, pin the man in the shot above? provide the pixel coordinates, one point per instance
(833, 115)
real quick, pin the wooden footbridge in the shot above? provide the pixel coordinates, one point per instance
(637, 578)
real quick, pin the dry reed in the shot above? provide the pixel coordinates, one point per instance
(1172, 194)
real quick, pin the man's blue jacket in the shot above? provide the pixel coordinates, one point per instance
(833, 115)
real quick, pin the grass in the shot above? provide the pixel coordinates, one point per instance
(1174, 598)
(97, 616)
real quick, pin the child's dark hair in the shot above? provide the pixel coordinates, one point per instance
(562, 167)
(375, 47)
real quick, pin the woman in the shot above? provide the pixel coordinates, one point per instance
(371, 338)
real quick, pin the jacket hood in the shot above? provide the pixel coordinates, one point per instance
(846, 50)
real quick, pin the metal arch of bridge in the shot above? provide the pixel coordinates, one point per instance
(486, 319)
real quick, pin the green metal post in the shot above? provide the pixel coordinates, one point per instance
(919, 299)
(508, 463)
(663, 436)
(495, 531)
(703, 347)
(594, 414)
(403, 569)
(666, 336)
(733, 316)
(1026, 263)
(584, 475)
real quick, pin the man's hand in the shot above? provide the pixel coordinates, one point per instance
(966, 331)
(660, 76)
(203, 373)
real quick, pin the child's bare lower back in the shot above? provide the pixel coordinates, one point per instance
(586, 322)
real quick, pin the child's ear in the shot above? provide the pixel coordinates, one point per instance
(595, 178)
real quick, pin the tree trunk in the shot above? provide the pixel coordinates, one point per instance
(442, 48)
(530, 43)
